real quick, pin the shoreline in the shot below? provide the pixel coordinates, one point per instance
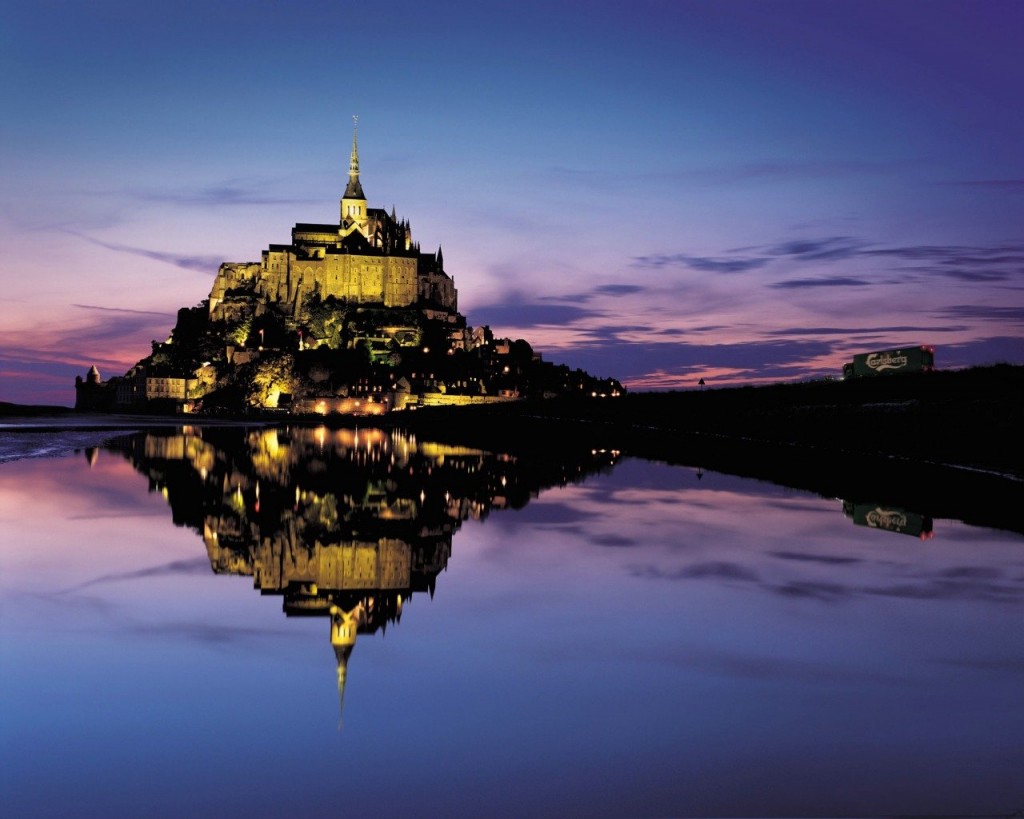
(946, 444)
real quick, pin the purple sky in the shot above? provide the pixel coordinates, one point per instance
(657, 191)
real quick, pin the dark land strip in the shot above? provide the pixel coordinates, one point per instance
(942, 444)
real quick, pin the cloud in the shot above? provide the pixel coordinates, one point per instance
(225, 195)
(124, 310)
(601, 290)
(614, 541)
(945, 588)
(951, 254)
(783, 169)
(618, 289)
(774, 358)
(813, 590)
(837, 247)
(86, 343)
(976, 275)
(207, 633)
(834, 281)
(860, 331)
(969, 583)
(984, 312)
(718, 570)
(112, 327)
(530, 314)
(703, 263)
(200, 264)
(955, 261)
(719, 175)
(194, 566)
(830, 560)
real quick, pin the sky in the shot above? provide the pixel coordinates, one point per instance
(745, 192)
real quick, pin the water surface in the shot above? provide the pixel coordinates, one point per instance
(227, 622)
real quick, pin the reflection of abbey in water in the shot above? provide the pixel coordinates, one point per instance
(342, 523)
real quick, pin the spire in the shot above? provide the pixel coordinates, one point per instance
(354, 190)
(440, 259)
(344, 626)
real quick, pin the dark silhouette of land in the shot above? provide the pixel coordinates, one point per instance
(945, 444)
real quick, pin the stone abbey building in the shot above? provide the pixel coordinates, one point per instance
(367, 257)
(350, 318)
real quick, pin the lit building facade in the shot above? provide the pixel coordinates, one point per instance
(367, 257)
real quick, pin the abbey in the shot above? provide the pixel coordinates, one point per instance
(348, 318)
(367, 257)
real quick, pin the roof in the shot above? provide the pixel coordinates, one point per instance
(354, 189)
(309, 227)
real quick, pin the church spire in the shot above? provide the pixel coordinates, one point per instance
(344, 627)
(354, 189)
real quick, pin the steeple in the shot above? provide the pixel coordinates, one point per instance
(353, 201)
(354, 190)
(344, 626)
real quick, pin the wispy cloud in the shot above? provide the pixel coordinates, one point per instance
(971, 583)
(123, 310)
(618, 289)
(1000, 262)
(194, 566)
(225, 195)
(834, 281)
(199, 264)
(705, 264)
(807, 557)
(717, 570)
(810, 250)
(530, 314)
(847, 332)
(983, 311)
(718, 175)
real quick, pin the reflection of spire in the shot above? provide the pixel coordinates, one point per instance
(354, 190)
(344, 625)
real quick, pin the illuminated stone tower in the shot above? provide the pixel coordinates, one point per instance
(344, 627)
(353, 201)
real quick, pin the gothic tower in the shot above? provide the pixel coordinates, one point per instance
(353, 201)
(344, 626)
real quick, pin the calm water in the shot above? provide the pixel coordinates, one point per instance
(311, 622)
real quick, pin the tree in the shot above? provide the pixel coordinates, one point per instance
(271, 376)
